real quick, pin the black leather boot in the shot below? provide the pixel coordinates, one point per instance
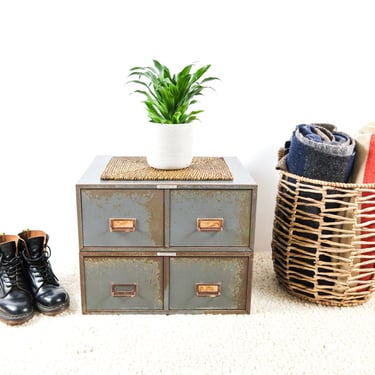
(16, 301)
(50, 297)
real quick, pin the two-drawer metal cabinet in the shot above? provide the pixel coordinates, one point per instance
(166, 246)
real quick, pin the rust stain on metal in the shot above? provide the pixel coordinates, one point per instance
(245, 211)
(230, 272)
(150, 205)
(146, 270)
(155, 209)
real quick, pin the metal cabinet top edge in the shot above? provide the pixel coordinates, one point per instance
(91, 178)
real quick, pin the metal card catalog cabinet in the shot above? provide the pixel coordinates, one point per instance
(166, 246)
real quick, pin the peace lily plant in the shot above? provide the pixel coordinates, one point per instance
(169, 99)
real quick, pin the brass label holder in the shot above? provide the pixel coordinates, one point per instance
(124, 290)
(210, 224)
(122, 224)
(207, 290)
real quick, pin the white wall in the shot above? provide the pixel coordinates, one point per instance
(63, 66)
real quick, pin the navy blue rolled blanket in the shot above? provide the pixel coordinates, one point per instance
(320, 152)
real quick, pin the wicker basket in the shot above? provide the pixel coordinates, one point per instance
(323, 241)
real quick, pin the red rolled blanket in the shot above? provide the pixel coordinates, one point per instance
(364, 172)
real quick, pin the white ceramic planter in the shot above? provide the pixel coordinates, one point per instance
(170, 145)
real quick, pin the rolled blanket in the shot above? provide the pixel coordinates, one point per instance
(320, 152)
(364, 164)
(364, 172)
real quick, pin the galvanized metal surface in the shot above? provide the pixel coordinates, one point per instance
(104, 274)
(165, 283)
(100, 205)
(228, 272)
(233, 206)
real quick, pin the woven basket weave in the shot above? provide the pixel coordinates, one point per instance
(323, 240)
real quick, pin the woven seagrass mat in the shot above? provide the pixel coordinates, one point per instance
(135, 168)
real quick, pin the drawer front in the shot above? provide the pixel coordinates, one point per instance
(209, 283)
(123, 283)
(122, 217)
(210, 217)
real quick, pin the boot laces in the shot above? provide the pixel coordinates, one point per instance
(41, 268)
(11, 271)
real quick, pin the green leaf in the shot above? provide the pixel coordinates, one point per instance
(169, 97)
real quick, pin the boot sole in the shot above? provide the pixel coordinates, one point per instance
(16, 320)
(54, 310)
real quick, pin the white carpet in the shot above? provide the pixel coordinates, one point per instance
(282, 335)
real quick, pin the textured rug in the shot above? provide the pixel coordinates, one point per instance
(134, 168)
(282, 335)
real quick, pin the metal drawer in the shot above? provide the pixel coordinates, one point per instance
(113, 217)
(122, 283)
(209, 283)
(210, 217)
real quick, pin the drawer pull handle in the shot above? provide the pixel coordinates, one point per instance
(210, 225)
(208, 290)
(124, 290)
(122, 225)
